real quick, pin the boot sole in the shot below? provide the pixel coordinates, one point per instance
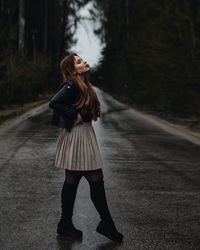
(98, 230)
(68, 234)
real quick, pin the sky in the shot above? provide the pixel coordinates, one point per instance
(88, 44)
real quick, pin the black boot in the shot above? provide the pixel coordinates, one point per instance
(106, 226)
(65, 225)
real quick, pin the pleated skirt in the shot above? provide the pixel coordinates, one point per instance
(78, 149)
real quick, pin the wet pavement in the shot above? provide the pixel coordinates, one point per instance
(152, 182)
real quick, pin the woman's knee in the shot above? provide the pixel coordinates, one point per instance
(94, 176)
(72, 177)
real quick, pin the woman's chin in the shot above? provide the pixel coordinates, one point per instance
(88, 70)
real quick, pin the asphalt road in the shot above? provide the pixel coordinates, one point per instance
(152, 181)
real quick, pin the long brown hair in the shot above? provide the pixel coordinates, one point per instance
(88, 98)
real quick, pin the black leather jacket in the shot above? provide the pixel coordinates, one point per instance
(64, 114)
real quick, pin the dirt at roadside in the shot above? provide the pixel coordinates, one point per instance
(11, 112)
(191, 123)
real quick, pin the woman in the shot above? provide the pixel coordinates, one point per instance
(74, 106)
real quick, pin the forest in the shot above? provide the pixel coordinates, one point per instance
(151, 54)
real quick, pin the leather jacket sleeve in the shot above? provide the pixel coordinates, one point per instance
(61, 103)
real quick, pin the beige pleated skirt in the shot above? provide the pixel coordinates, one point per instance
(78, 149)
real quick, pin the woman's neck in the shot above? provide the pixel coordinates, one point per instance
(81, 77)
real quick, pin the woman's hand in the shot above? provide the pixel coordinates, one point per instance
(78, 119)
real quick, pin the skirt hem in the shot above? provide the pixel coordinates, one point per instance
(78, 149)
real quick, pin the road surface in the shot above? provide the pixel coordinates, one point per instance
(151, 174)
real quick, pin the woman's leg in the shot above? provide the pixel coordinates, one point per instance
(97, 192)
(98, 197)
(68, 196)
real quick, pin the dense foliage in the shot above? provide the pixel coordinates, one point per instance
(34, 35)
(152, 52)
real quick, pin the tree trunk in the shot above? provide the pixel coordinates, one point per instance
(21, 39)
(45, 25)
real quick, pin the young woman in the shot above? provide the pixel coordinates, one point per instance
(74, 106)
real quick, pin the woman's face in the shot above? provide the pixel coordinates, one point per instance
(80, 65)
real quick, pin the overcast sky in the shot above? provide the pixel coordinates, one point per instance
(88, 45)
